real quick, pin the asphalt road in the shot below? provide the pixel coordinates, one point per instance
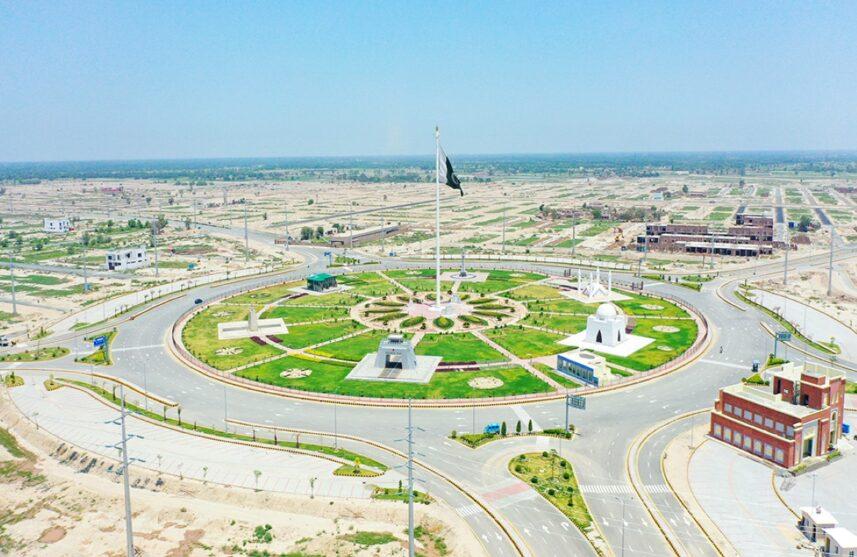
(606, 428)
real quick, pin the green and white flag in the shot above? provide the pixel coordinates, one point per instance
(446, 175)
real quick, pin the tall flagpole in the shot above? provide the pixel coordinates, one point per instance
(437, 217)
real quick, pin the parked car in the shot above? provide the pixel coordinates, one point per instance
(492, 428)
(198, 301)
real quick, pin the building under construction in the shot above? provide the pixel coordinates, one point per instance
(751, 236)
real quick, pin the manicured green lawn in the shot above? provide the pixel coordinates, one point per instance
(301, 336)
(419, 280)
(297, 314)
(354, 348)
(564, 305)
(265, 295)
(35, 355)
(651, 356)
(526, 343)
(567, 323)
(634, 306)
(556, 376)
(330, 378)
(500, 280)
(200, 338)
(534, 292)
(554, 479)
(336, 299)
(369, 284)
(458, 347)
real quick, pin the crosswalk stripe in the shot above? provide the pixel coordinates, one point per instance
(468, 510)
(621, 489)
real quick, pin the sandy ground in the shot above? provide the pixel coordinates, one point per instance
(810, 287)
(59, 501)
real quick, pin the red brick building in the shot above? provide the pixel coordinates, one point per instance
(799, 415)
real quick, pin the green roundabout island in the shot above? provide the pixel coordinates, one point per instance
(498, 334)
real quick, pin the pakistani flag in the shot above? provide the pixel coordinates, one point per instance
(446, 173)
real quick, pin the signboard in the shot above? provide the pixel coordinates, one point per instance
(784, 336)
(99, 341)
(576, 401)
(327, 254)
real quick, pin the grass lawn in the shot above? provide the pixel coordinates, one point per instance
(652, 356)
(298, 314)
(534, 292)
(307, 335)
(335, 299)
(368, 284)
(458, 347)
(35, 355)
(567, 323)
(329, 377)
(419, 280)
(500, 280)
(265, 295)
(354, 348)
(634, 306)
(526, 343)
(564, 305)
(200, 338)
(554, 479)
(556, 376)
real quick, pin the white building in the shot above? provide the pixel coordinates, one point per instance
(126, 259)
(814, 521)
(580, 364)
(606, 326)
(839, 541)
(57, 226)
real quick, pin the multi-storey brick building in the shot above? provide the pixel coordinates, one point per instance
(751, 236)
(798, 415)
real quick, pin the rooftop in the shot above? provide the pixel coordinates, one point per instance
(319, 277)
(761, 395)
(792, 371)
(819, 515)
(843, 537)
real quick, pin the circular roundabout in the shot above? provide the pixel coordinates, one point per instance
(497, 336)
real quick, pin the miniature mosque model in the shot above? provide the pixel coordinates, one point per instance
(395, 360)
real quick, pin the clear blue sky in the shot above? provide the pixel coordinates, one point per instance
(109, 80)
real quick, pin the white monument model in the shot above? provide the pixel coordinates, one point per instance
(395, 360)
(593, 290)
(253, 327)
(606, 331)
(606, 326)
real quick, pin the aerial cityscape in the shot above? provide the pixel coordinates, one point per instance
(382, 280)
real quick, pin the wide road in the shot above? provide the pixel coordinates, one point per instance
(606, 428)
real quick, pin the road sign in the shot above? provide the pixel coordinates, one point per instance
(576, 401)
(784, 336)
(327, 254)
(99, 341)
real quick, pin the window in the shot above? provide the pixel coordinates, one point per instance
(769, 423)
(757, 446)
(748, 415)
(727, 408)
(779, 456)
(769, 451)
(737, 412)
(790, 432)
(757, 418)
(727, 434)
(717, 430)
(737, 438)
(747, 442)
(779, 427)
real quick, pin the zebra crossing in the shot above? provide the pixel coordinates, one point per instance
(468, 510)
(622, 489)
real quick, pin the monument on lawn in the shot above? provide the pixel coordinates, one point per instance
(395, 360)
(254, 319)
(606, 326)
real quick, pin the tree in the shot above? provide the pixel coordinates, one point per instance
(306, 233)
(319, 231)
(503, 429)
(161, 222)
(310, 201)
(187, 223)
(530, 426)
(685, 189)
(518, 427)
(804, 224)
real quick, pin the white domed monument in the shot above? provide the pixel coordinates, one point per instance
(607, 332)
(606, 326)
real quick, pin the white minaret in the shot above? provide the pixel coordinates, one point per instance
(609, 282)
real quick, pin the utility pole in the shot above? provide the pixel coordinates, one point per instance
(12, 276)
(786, 263)
(351, 227)
(225, 414)
(286, 226)
(623, 527)
(411, 548)
(246, 237)
(830, 264)
(573, 232)
(123, 447)
(383, 234)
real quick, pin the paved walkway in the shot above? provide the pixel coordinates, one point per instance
(736, 493)
(77, 418)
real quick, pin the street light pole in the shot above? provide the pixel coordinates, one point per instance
(129, 529)
(12, 276)
(830, 264)
(411, 546)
